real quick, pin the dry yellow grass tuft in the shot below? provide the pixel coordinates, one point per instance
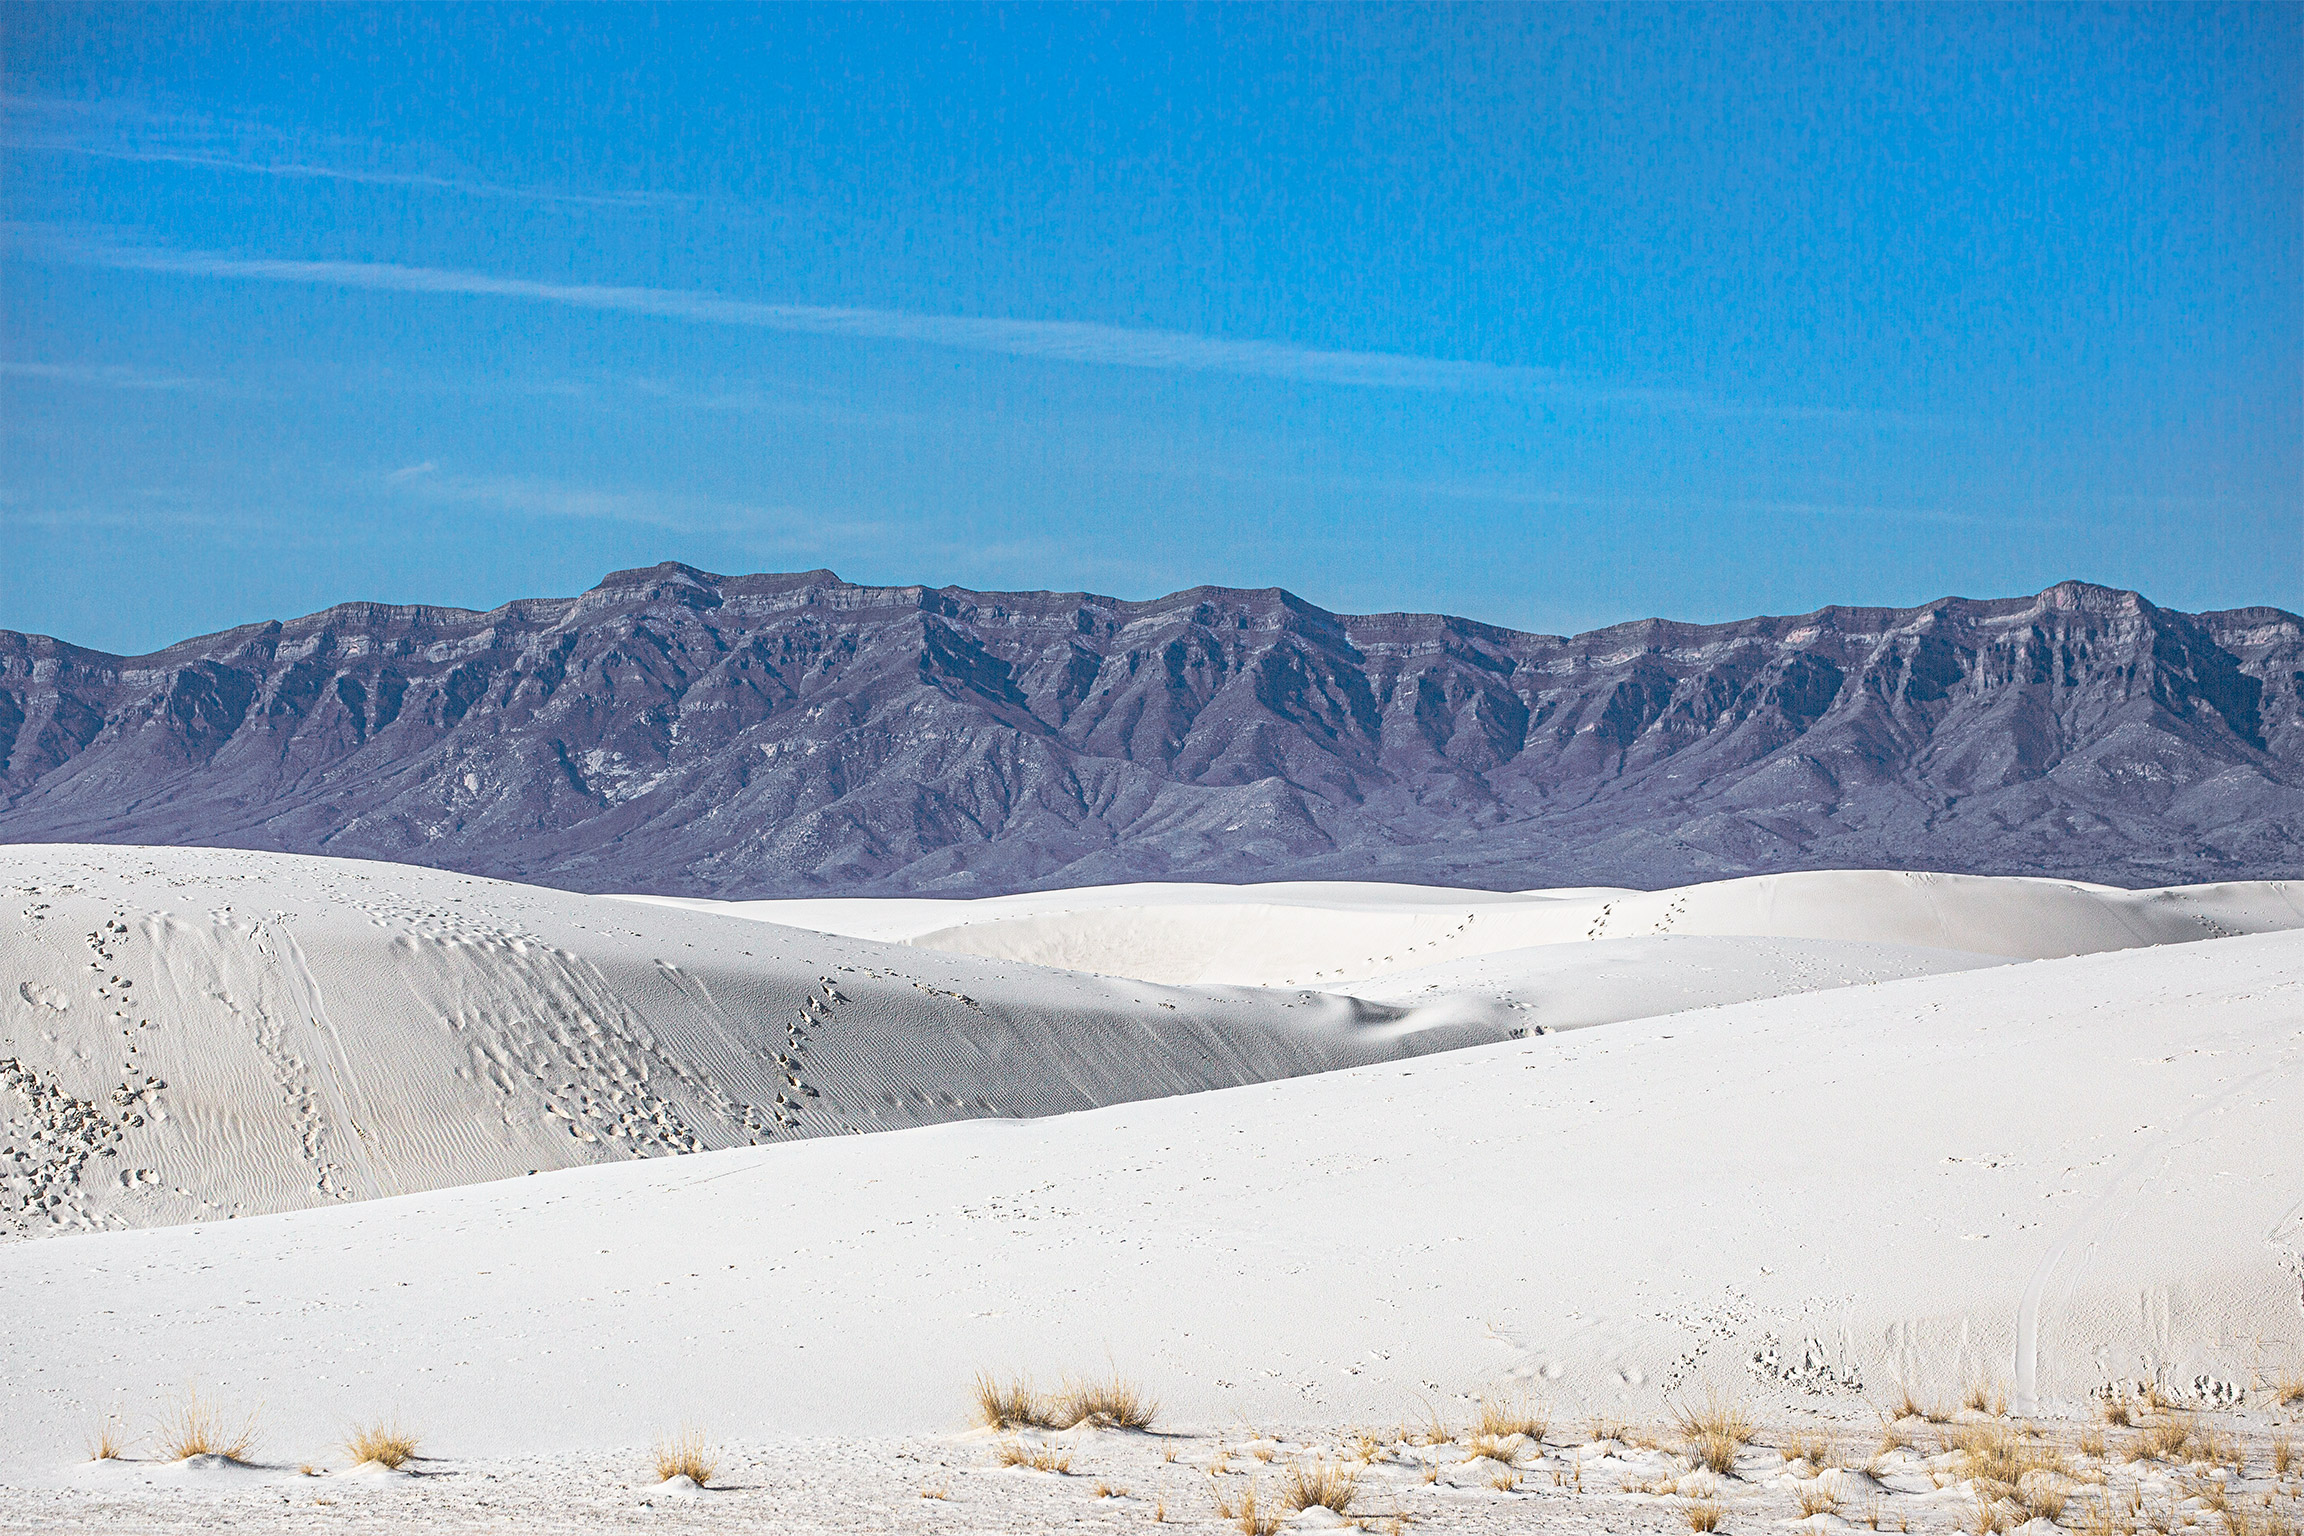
(1505, 1482)
(1500, 1417)
(1713, 1434)
(386, 1444)
(1113, 1403)
(1909, 1408)
(1816, 1499)
(685, 1454)
(107, 1443)
(1246, 1517)
(1038, 1458)
(1602, 1426)
(2000, 1455)
(1491, 1448)
(2164, 1441)
(201, 1429)
(1816, 1449)
(2283, 1455)
(2091, 1442)
(1320, 1485)
(1013, 1404)
(2289, 1388)
(1894, 1436)
(1703, 1516)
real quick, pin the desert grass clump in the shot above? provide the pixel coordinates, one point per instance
(2091, 1442)
(1506, 1481)
(2043, 1496)
(1036, 1458)
(1492, 1448)
(1605, 1426)
(2164, 1441)
(109, 1443)
(1815, 1449)
(1247, 1516)
(1703, 1516)
(2289, 1388)
(1997, 1457)
(1989, 1517)
(1909, 1408)
(1010, 1404)
(200, 1428)
(1713, 1434)
(2283, 1455)
(1894, 1436)
(1816, 1499)
(1320, 1485)
(686, 1454)
(1500, 1418)
(386, 1444)
(1113, 1403)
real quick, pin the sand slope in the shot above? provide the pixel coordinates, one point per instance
(1326, 935)
(199, 1033)
(2051, 1175)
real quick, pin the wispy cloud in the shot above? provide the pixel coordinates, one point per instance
(110, 376)
(131, 132)
(1054, 340)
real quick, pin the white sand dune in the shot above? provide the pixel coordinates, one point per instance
(195, 1033)
(2052, 1174)
(1339, 934)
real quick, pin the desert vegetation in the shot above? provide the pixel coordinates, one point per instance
(685, 1453)
(384, 1443)
(197, 1427)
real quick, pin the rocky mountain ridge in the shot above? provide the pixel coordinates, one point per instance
(677, 731)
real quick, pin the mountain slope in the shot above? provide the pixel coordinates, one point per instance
(682, 732)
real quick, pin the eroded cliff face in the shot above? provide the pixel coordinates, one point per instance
(677, 731)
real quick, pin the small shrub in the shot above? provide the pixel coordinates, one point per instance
(199, 1428)
(1703, 1516)
(1320, 1485)
(685, 1454)
(387, 1445)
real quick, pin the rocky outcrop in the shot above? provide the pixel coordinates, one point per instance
(677, 731)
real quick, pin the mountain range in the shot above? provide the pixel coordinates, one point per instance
(680, 732)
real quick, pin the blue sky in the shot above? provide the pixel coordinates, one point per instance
(1552, 316)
